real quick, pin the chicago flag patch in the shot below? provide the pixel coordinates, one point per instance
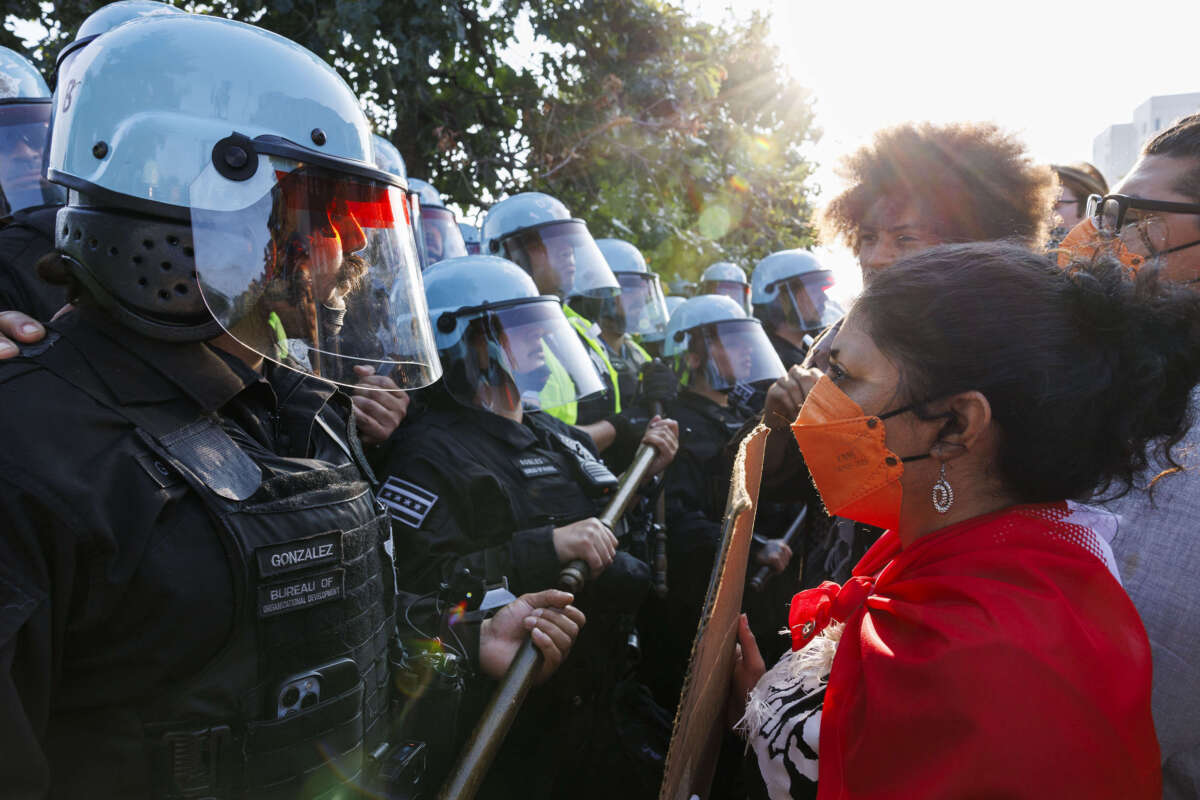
(406, 502)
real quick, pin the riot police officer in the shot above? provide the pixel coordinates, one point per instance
(639, 312)
(440, 236)
(470, 234)
(788, 293)
(713, 347)
(485, 480)
(197, 595)
(28, 202)
(538, 233)
(728, 279)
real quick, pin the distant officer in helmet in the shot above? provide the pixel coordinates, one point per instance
(788, 296)
(538, 233)
(470, 234)
(28, 202)
(713, 347)
(637, 314)
(682, 288)
(788, 293)
(192, 547)
(511, 494)
(441, 237)
(726, 278)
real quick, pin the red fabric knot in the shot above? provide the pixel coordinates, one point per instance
(809, 613)
(813, 609)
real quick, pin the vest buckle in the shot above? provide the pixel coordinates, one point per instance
(197, 763)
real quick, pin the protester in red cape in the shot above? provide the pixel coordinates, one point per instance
(1155, 545)
(984, 645)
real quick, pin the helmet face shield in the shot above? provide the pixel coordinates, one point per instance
(737, 292)
(316, 270)
(736, 351)
(520, 354)
(441, 235)
(562, 258)
(804, 304)
(23, 131)
(641, 304)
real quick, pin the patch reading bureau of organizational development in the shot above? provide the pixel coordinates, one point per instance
(301, 592)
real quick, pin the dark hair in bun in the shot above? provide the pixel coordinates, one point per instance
(1086, 370)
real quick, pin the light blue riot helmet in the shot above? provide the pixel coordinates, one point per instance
(682, 288)
(500, 342)
(538, 233)
(441, 238)
(674, 301)
(236, 192)
(728, 279)
(788, 288)
(103, 20)
(711, 335)
(388, 158)
(640, 308)
(19, 78)
(25, 109)
(470, 234)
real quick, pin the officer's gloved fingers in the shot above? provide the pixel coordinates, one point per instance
(659, 382)
(17, 327)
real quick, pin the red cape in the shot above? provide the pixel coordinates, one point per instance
(995, 658)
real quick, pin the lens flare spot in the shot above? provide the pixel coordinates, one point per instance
(715, 221)
(739, 184)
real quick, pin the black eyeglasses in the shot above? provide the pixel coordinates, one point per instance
(1109, 212)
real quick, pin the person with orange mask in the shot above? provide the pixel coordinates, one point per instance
(1151, 223)
(984, 646)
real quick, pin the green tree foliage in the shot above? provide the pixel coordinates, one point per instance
(680, 136)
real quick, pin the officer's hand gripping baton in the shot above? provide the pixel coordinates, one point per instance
(764, 572)
(501, 711)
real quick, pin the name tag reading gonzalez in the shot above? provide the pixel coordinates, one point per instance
(321, 550)
(301, 592)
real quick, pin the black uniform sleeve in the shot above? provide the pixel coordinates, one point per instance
(465, 525)
(32, 536)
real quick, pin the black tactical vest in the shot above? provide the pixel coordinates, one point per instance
(295, 704)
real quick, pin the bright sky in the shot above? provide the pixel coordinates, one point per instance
(1057, 73)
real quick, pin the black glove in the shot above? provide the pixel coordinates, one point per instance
(659, 383)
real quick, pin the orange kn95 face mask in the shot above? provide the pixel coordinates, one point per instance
(847, 455)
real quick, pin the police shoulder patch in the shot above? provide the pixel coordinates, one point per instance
(406, 502)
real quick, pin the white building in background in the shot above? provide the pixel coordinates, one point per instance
(1117, 147)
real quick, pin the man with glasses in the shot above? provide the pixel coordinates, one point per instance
(1152, 221)
(1155, 210)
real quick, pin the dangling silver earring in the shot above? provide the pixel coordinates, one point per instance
(943, 493)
